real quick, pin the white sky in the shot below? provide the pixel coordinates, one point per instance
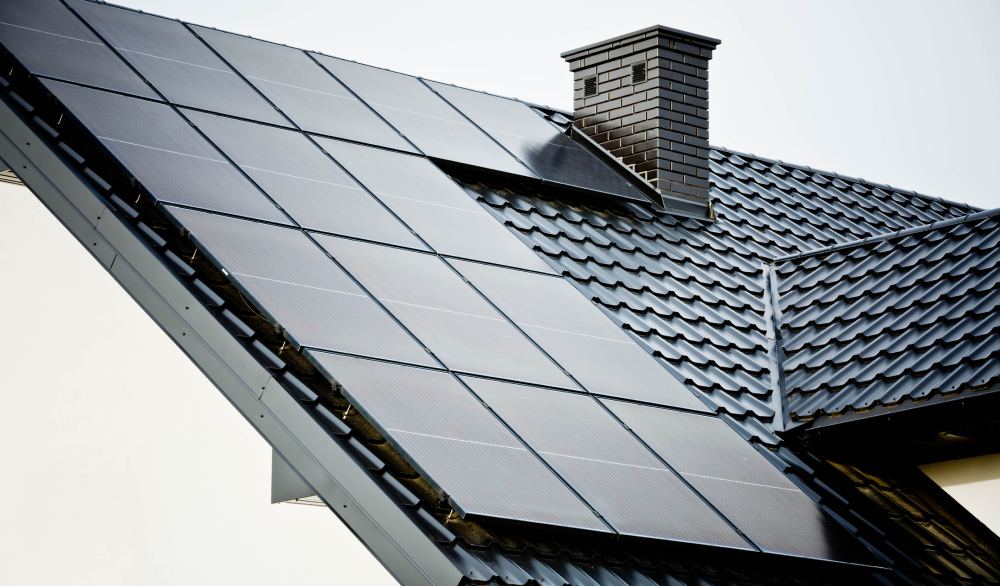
(125, 478)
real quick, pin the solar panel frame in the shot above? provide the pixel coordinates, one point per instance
(414, 177)
(719, 452)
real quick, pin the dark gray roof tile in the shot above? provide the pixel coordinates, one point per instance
(905, 316)
(693, 290)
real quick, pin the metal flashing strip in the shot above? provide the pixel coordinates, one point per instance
(775, 353)
(399, 543)
(672, 204)
(676, 206)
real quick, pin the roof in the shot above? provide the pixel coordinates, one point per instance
(891, 320)
(366, 351)
(693, 290)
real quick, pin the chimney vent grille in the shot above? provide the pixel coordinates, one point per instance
(590, 86)
(638, 72)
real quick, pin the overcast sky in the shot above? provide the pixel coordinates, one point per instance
(157, 480)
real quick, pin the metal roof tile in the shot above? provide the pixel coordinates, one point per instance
(911, 311)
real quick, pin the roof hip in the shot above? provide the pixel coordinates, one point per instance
(888, 236)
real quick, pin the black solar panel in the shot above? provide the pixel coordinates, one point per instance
(447, 315)
(458, 443)
(48, 39)
(176, 62)
(422, 116)
(165, 153)
(740, 482)
(540, 145)
(302, 90)
(303, 180)
(432, 204)
(782, 521)
(603, 358)
(605, 464)
(527, 451)
(717, 452)
(300, 287)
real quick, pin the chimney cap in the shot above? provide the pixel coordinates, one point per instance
(648, 32)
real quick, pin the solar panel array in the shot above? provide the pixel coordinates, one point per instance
(304, 178)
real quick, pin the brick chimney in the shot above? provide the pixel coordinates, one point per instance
(643, 96)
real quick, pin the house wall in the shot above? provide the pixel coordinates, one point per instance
(973, 482)
(122, 464)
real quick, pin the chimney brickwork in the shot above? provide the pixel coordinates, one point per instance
(644, 97)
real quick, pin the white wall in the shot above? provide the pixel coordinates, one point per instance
(973, 482)
(121, 463)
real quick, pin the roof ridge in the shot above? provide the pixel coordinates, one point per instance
(841, 176)
(890, 235)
